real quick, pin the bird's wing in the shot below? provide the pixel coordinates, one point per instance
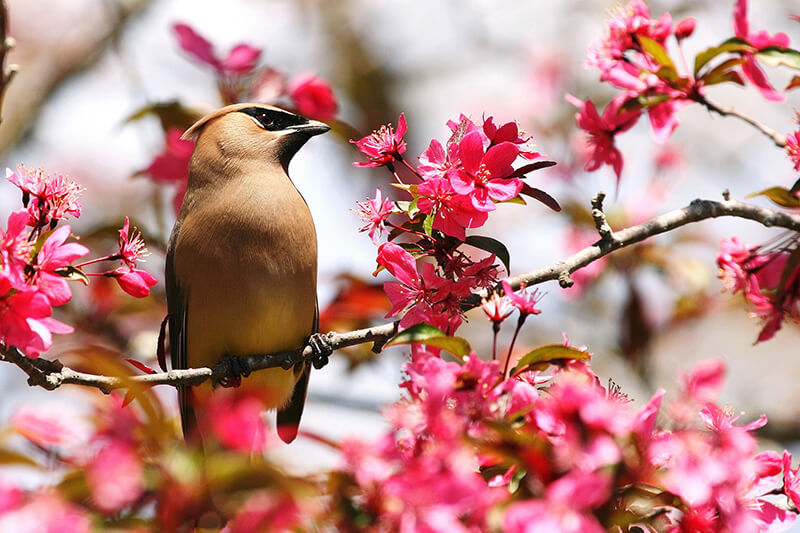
(288, 417)
(176, 307)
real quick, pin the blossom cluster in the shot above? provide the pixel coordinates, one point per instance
(453, 189)
(768, 278)
(36, 261)
(634, 57)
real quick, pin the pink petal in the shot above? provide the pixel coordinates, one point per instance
(504, 189)
(196, 45)
(754, 73)
(461, 182)
(740, 26)
(471, 151)
(399, 263)
(498, 159)
(241, 59)
(401, 127)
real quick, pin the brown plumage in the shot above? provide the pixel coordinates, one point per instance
(242, 258)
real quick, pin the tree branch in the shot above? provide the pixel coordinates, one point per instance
(51, 374)
(777, 138)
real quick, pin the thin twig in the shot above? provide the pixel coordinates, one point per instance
(51, 374)
(7, 72)
(777, 138)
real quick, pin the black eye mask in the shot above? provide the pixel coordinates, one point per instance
(273, 119)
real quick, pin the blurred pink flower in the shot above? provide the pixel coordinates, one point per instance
(523, 300)
(242, 58)
(374, 212)
(172, 165)
(793, 146)
(759, 40)
(602, 130)
(46, 512)
(266, 511)
(382, 146)
(565, 508)
(685, 28)
(115, 476)
(234, 417)
(313, 96)
(48, 425)
(704, 381)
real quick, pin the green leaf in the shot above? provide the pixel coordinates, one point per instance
(543, 356)
(779, 195)
(721, 72)
(519, 200)
(492, 246)
(668, 74)
(37, 246)
(431, 336)
(427, 225)
(412, 208)
(657, 52)
(73, 274)
(731, 45)
(650, 100)
(775, 57)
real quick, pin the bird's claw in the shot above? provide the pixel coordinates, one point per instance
(321, 344)
(236, 368)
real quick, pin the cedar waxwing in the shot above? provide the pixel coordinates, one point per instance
(241, 266)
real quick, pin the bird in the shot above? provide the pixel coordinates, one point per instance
(241, 263)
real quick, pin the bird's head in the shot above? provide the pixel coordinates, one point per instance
(253, 131)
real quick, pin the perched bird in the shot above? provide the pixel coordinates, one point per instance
(241, 266)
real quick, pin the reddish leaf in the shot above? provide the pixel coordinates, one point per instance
(538, 194)
(794, 83)
(141, 366)
(521, 171)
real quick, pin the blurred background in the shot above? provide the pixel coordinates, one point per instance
(86, 67)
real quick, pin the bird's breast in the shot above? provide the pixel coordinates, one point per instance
(247, 263)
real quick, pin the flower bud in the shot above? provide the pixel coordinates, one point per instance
(685, 28)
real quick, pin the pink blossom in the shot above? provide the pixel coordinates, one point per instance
(131, 244)
(509, 132)
(452, 212)
(793, 146)
(115, 476)
(313, 96)
(25, 321)
(49, 198)
(172, 165)
(522, 300)
(53, 256)
(46, 512)
(497, 308)
(234, 417)
(374, 212)
(420, 295)
(134, 281)
(436, 162)
(11, 497)
(602, 130)
(759, 40)
(685, 28)
(383, 146)
(15, 252)
(626, 23)
(47, 426)
(704, 381)
(266, 511)
(565, 508)
(485, 175)
(242, 58)
(791, 480)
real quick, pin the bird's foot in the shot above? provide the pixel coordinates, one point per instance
(236, 368)
(321, 343)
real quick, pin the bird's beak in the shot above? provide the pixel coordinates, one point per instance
(311, 128)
